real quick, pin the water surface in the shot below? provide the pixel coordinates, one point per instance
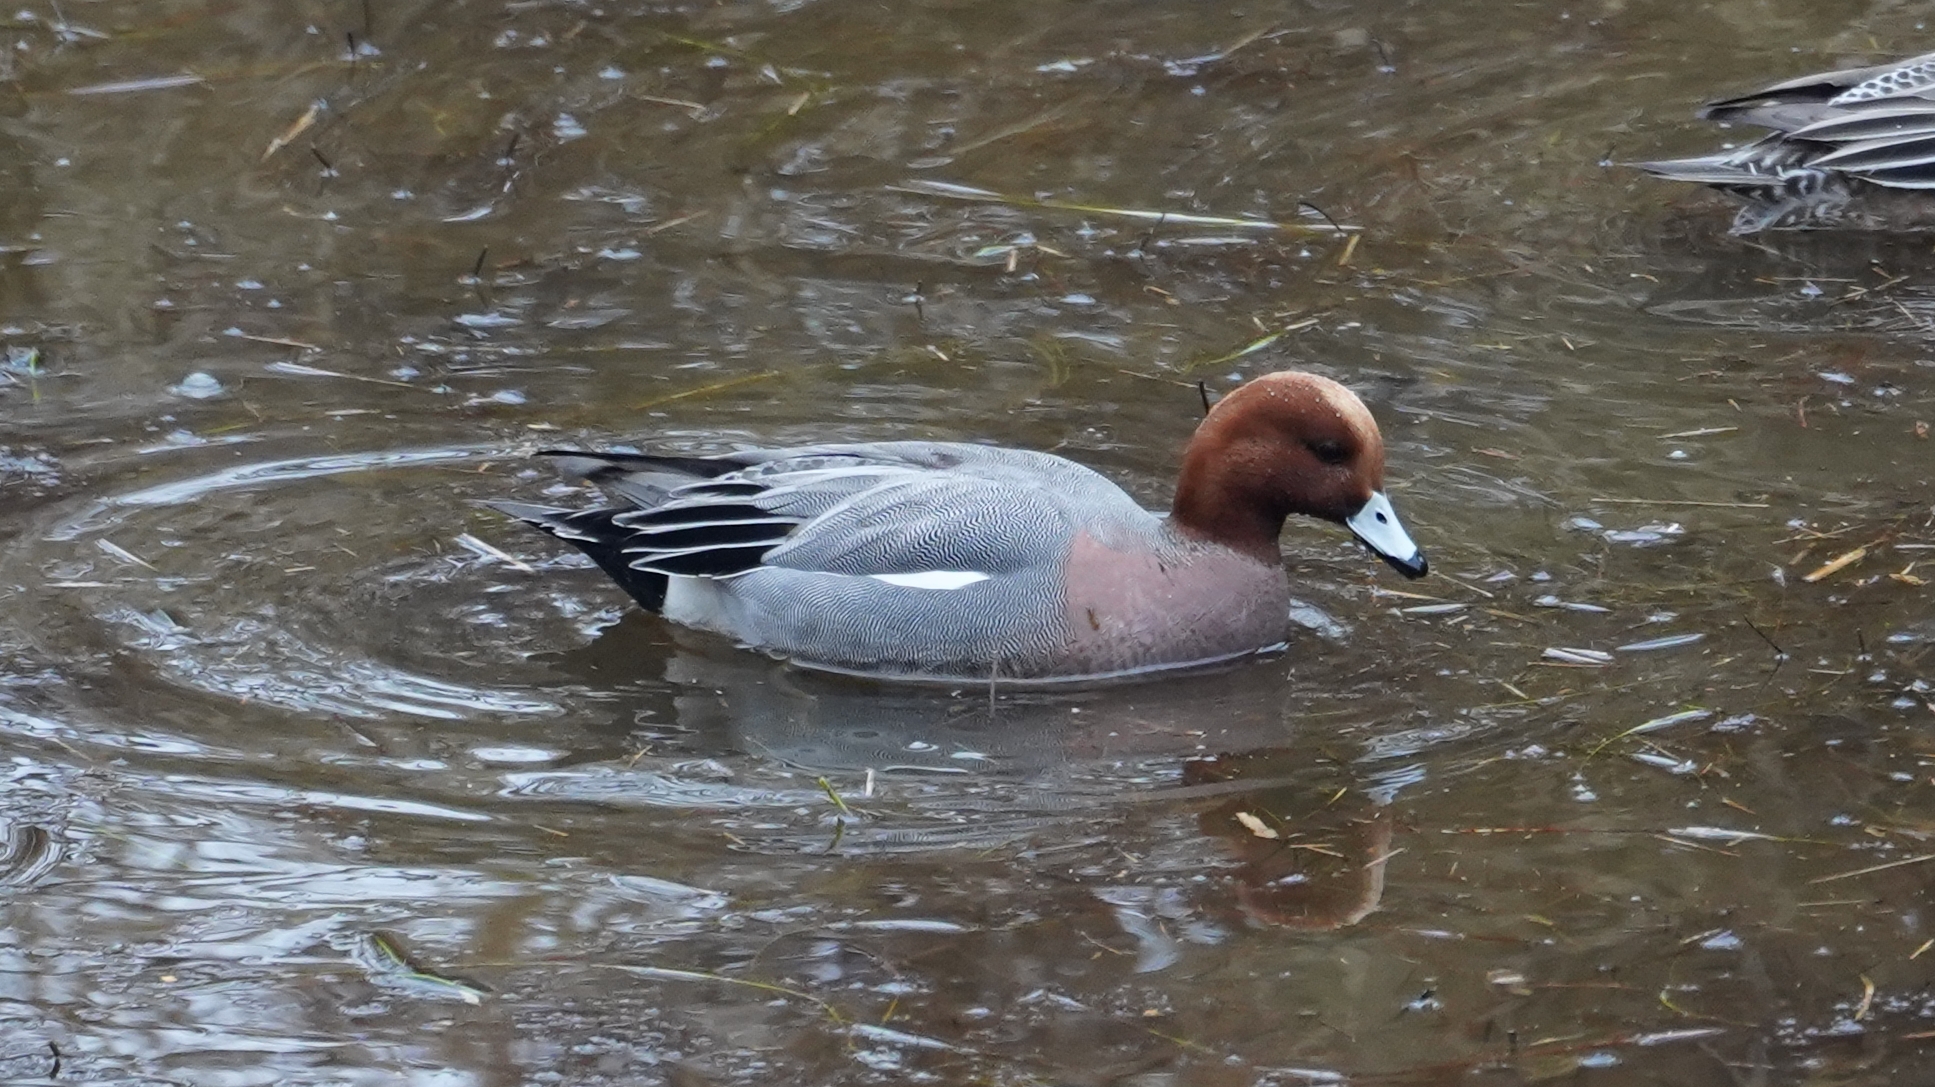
(318, 772)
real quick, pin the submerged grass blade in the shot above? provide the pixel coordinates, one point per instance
(667, 973)
(383, 957)
(136, 86)
(952, 191)
(1653, 725)
(1874, 868)
(707, 390)
(1670, 641)
(1250, 348)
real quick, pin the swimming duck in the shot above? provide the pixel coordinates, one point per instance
(1853, 148)
(949, 561)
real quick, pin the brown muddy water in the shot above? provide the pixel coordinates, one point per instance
(317, 772)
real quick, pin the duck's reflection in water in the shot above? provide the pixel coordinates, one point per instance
(709, 698)
(1309, 838)
(1306, 862)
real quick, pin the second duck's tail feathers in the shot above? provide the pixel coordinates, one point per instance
(1706, 170)
(1769, 162)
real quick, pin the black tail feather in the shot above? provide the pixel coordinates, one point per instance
(581, 529)
(767, 534)
(708, 561)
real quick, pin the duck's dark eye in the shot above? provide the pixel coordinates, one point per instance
(1329, 452)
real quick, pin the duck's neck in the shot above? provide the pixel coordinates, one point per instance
(1213, 506)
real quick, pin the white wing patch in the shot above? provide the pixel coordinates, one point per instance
(933, 579)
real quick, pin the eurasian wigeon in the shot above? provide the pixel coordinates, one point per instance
(1853, 148)
(947, 561)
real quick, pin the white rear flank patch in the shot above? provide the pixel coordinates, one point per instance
(933, 579)
(695, 601)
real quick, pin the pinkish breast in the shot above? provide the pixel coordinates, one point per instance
(1128, 610)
